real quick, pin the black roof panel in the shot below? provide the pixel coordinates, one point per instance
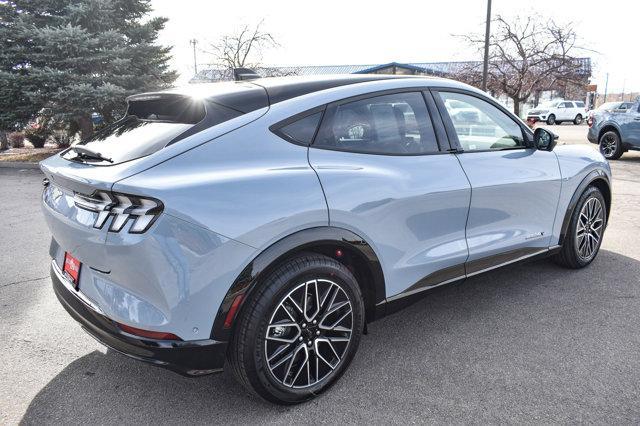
(282, 88)
(249, 95)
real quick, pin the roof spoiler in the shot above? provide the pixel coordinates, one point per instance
(240, 74)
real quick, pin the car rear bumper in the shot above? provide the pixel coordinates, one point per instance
(189, 358)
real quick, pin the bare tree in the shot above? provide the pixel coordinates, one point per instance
(242, 49)
(525, 57)
(277, 72)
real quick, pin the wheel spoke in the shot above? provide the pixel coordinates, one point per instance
(332, 326)
(308, 297)
(282, 360)
(295, 304)
(581, 245)
(304, 363)
(583, 218)
(279, 352)
(319, 355)
(290, 364)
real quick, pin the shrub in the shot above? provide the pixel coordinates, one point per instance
(37, 134)
(16, 139)
(61, 138)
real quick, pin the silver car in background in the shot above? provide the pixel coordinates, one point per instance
(260, 225)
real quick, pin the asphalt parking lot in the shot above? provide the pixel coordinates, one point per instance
(530, 343)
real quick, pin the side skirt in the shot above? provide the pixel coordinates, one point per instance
(458, 273)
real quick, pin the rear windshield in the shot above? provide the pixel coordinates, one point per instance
(151, 123)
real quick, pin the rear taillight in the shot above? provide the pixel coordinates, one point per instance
(591, 121)
(122, 207)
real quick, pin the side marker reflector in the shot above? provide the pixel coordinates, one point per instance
(156, 335)
(228, 321)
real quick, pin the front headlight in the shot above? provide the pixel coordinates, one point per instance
(122, 207)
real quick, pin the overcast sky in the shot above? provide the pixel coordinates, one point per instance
(330, 32)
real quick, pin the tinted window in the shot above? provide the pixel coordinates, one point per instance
(151, 123)
(480, 125)
(568, 104)
(609, 106)
(389, 124)
(302, 130)
(580, 104)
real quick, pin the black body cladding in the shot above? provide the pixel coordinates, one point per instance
(189, 358)
(315, 239)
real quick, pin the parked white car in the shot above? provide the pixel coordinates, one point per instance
(558, 111)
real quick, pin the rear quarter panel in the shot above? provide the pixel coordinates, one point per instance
(249, 185)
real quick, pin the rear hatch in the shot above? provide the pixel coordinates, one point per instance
(155, 128)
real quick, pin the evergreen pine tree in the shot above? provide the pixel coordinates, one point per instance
(68, 58)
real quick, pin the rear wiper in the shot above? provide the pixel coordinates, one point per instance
(87, 153)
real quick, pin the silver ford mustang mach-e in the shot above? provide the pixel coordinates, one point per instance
(263, 223)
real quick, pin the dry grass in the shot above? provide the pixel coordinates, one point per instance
(27, 155)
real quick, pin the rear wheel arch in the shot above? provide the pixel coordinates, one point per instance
(597, 178)
(609, 128)
(355, 253)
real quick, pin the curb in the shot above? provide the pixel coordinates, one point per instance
(18, 165)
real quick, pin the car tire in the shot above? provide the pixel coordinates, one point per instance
(586, 229)
(578, 120)
(610, 145)
(275, 324)
(551, 120)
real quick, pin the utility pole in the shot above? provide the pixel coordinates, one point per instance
(193, 42)
(606, 86)
(624, 84)
(487, 33)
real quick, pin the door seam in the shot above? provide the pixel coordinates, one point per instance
(324, 194)
(466, 223)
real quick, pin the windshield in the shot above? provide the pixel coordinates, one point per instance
(608, 106)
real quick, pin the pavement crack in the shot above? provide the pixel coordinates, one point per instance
(23, 281)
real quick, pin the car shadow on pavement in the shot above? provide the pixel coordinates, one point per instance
(523, 341)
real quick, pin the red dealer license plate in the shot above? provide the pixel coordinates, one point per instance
(71, 269)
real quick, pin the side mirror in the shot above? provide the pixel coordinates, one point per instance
(544, 140)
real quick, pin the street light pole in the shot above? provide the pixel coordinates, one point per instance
(606, 87)
(193, 42)
(485, 65)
